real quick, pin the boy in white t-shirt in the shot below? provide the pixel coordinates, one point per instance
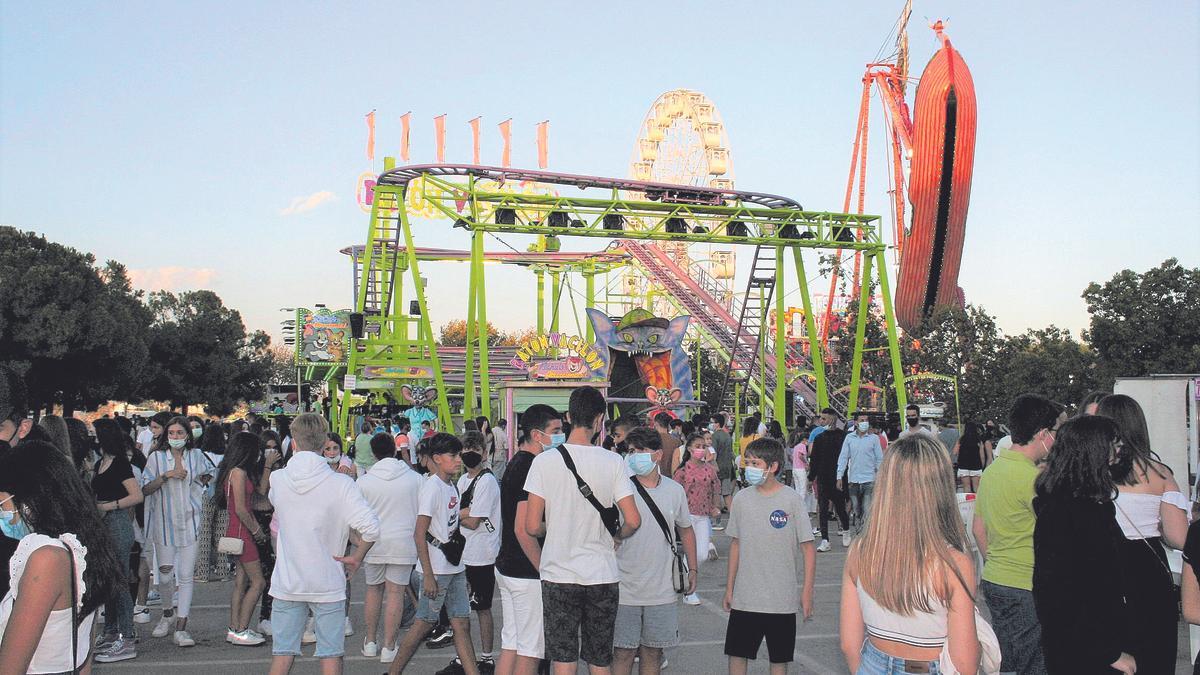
(480, 517)
(442, 582)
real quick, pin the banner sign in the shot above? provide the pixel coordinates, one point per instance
(323, 337)
(581, 362)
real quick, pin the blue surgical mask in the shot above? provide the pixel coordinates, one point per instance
(755, 475)
(863, 426)
(642, 463)
(12, 529)
(197, 432)
(177, 443)
(556, 440)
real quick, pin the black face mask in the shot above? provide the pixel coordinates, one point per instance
(912, 421)
(471, 459)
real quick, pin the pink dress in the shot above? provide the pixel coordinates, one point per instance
(236, 528)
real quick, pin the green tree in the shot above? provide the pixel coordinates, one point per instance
(75, 333)
(1146, 323)
(1048, 362)
(965, 343)
(201, 353)
(454, 334)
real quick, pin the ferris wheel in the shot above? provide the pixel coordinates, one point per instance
(683, 140)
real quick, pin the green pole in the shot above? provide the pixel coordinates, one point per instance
(780, 343)
(810, 327)
(860, 332)
(485, 384)
(541, 301)
(889, 318)
(555, 289)
(589, 278)
(472, 294)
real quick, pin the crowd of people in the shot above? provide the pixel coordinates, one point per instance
(590, 532)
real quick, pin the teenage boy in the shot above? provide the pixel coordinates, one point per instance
(391, 488)
(770, 529)
(522, 640)
(479, 513)
(578, 566)
(648, 615)
(862, 455)
(316, 508)
(443, 583)
(670, 443)
(1003, 529)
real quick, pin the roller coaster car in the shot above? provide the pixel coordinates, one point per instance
(686, 197)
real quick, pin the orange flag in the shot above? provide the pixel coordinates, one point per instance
(371, 135)
(506, 134)
(439, 131)
(475, 140)
(543, 142)
(404, 121)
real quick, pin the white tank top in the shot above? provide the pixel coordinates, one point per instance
(922, 629)
(53, 653)
(1139, 514)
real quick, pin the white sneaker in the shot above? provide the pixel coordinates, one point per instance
(824, 546)
(141, 614)
(691, 599)
(246, 638)
(388, 655)
(349, 628)
(310, 633)
(370, 650)
(264, 627)
(846, 539)
(164, 627)
(183, 639)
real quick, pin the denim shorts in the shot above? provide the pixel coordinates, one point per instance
(875, 662)
(452, 592)
(287, 626)
(655, 626)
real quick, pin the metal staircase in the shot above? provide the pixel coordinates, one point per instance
(749, 333)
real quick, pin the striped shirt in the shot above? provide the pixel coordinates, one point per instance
(173, 512)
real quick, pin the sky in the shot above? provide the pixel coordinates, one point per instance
(217, 145)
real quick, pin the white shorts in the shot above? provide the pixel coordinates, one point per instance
(968, 472)
(396, 573)
(521, 603)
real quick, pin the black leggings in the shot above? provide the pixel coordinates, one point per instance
(826, 494)
(267, 557)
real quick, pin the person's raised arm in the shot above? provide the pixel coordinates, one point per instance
(529, 545)
(631, 520)
(960, 619)
(40, 589)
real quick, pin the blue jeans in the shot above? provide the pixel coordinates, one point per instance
(452, 592)
(875, 662)
(860, 503)
(118, 608)
(287, 626)
(1014, 618)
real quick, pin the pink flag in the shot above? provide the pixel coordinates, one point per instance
(439, 131)
(475, 140)
(371, 136)
(404, 121)
(506, 134)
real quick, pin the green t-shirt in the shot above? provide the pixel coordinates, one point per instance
(363, 456)
(1005, 503)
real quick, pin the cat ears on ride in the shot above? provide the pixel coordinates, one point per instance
(418, 395)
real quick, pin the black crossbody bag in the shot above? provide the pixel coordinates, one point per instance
(610, 516)
(452, 549)
(679, 566)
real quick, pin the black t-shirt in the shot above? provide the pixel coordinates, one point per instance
(108, 486)
(512, 561)
(970, 459)
(1191, 548)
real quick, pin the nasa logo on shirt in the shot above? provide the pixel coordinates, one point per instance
(778, 519)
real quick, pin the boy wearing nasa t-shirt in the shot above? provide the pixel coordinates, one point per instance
(770, 529)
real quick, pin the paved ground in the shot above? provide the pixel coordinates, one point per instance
(703, 631)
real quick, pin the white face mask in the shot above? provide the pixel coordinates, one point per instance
(863, 426)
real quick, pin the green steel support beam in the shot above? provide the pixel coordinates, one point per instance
(589, 279)
(810, 328)
(485, 384)
(555, 292)
(780, 343)
(860, 332)
(889, 320)
(541, 301)
(470, 329)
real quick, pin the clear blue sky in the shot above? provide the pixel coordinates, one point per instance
(171, 136)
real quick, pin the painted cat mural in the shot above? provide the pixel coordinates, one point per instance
(660, 372)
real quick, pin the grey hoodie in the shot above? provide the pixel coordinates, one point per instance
(316, 508)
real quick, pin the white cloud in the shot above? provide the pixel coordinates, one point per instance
(172, 278)
(302, 204)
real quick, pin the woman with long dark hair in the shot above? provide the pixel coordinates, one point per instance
(63, 547)
(263, 512)
(117, 492)
(173, 482)
(973, 455)
(236, 482)
(1152, 512)
(1076, 553)
(56, 428)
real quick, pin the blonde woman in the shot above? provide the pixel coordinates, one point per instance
(908, 585)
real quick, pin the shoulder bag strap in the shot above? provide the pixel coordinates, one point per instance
(468, 495)
(658, 515)
(584, 488)
(74, 613)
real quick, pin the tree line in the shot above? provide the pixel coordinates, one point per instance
(80, 335)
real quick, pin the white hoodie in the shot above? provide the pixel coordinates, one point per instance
(391, 488)
(316, 507)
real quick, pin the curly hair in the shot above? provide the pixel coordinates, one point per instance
(54, 501)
